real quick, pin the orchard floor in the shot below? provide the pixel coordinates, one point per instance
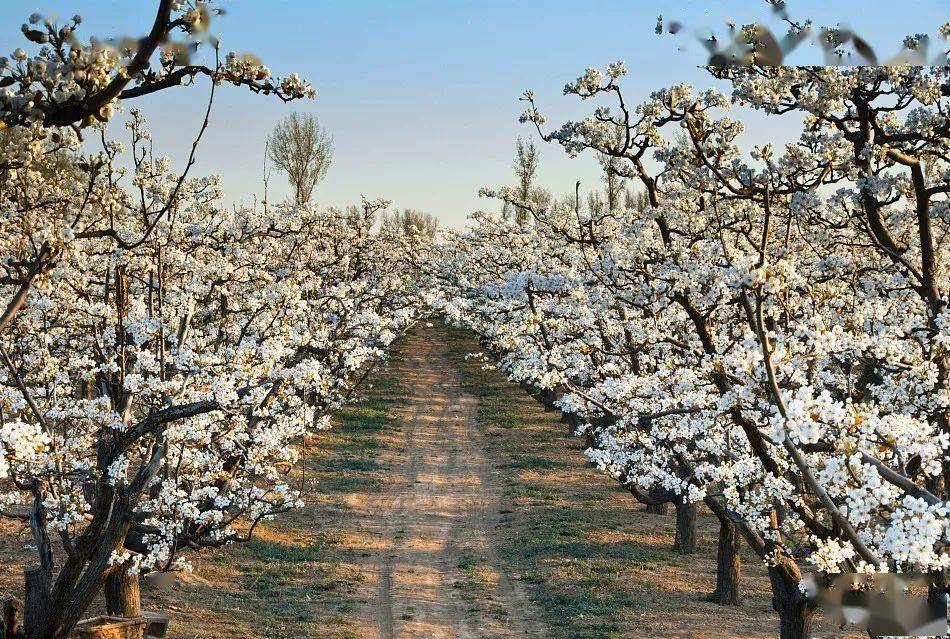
(449, 504)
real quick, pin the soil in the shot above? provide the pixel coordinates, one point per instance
(437, 518)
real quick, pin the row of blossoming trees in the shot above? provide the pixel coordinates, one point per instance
(160, 356)
(768, 336)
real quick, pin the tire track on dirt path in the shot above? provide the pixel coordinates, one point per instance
(435, 570)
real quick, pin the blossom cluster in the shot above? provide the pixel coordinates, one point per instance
(68, 81)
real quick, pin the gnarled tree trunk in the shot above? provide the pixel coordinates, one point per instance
(662, 508)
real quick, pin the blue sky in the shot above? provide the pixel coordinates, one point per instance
(421, 96)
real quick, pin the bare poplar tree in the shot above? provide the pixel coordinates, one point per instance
(526, 167)
(302, 150)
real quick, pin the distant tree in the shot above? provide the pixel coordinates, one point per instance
(637, 201)
(526, 167)
(410, 221)
(595, 203)
(615, 188)
(303, 151)
(614, 182)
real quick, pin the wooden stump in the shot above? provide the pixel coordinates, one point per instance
(110, 628)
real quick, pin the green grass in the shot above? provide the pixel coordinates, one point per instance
(528, 462)
(475, 586)
(284, 586)
(267, 550)
(348, 458)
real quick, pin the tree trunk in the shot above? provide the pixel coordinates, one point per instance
(937, 593)
(685, 541)
(662, 508)
(795, 611)
(728, 563)
(548, 397)
(572, 422)
(37, 605)
(795, 621)
(123, 593)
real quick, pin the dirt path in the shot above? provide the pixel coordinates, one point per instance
(433, 569)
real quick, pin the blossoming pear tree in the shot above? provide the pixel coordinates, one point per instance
(160, 356)
(767, 336)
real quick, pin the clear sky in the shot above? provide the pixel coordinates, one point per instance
(421, 96)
